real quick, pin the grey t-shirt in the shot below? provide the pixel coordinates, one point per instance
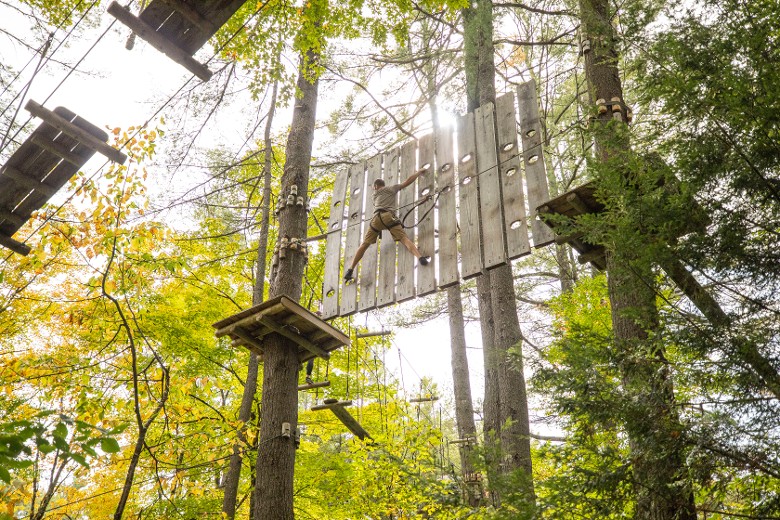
(384, 198)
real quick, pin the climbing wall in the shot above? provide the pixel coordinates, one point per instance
(468, 212)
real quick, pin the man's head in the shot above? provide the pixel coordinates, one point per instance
(379, 183)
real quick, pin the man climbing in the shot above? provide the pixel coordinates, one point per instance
(385, 218)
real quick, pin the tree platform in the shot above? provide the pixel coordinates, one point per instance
(281, 315)
(178, 28)
(572, 204)
(50, 156)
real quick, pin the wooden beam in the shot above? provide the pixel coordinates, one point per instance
(565, 239)
(424, 399)
(29, 182)
(300, 340)
(372, 334)
(57, 149)
(81, 135)
(12, 217)
(159, 42)
(577, 203)
(309, 386)
(594, 255)
(193, 16)
(247, 338)
(14, 245)
(330, 403)
(337, 407)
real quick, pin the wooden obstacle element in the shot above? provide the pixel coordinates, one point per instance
(178, 28)
(53, 153)
(467, 212)
(425, 399)
(337, 407)
(281, 315)
(371, 334)
(311, 386)
(571, 205)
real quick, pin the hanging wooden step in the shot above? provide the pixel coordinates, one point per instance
(572, 204)
(311, 386)
(281, 315)
(178, 28)
(424, 399)
(50, 156)
(337, 407)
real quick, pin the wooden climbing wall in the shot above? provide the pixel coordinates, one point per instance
(469, 212)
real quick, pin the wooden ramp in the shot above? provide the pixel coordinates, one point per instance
(53, 153)
(337, 407)
(281, 315)
(178, 28)
(571, 205)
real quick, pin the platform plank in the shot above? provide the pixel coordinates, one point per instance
(572, 204)
(33, 173)
(535, 172)
(331, 285)
(387, 246)
(448, 224)
(471, 249)
(515, 221)
(426, 275)
(355, 225)
(370, 262)
(406, 260)
(283, 316)
(491, 218)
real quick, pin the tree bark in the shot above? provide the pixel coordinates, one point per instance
(504, 385)
(661, 484)
(464, 409)
(276, 454)
(233, 475)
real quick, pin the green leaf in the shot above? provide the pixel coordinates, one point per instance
(109, 445)
(5, 476)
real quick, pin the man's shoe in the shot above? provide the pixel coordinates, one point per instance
(424, 260)
(348, 275)
(309, 380)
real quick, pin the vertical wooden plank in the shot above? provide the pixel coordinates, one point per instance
(471, 249)
(332, 277)
(515, 223)
(535, 175)
(357, 178)
(387, 246)
(448, 225)
(489, 188)
(426, 275)
(371, 258)
(406, 261)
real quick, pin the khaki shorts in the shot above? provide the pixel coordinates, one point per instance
(384, 220)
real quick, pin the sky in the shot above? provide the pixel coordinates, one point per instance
(115, 87)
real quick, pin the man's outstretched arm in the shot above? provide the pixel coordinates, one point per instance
(413, 177)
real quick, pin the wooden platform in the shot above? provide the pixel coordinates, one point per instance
(50, 156)
(572, 204)
(281, 315)
(337, 407)
(178, 28)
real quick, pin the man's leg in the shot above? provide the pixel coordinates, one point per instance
(410, 246)
(356, 259)
(309, 370)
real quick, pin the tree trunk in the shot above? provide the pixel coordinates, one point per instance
(504, 385)
(464, 410)
(662, 488)
(233, 475)
(276, 454)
